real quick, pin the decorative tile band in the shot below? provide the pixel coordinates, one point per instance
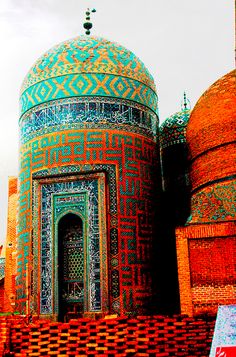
(94, 113)
(214, 203)
(88, 84)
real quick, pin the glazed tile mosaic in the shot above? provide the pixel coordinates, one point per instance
(91, 111)
(173, 130)
(88, 67)
(80, 196)
(98, 231)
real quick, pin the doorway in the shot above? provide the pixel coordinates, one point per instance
(70, 267)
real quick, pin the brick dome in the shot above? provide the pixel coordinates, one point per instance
(211, 133)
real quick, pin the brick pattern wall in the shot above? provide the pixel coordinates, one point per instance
(211, 141)
(10, 267)
(1, 294)
(142, 336)
(213, 272)
(216, 164)
(212, 120)
(5, 323)
(129, 218)
(206, 266)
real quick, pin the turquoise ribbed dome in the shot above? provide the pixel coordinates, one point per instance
(88, 66)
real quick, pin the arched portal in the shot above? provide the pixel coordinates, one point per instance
(70, 266)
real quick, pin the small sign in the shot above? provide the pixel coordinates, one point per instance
(224, 339)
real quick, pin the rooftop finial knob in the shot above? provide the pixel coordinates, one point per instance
(185, 105)
(88, 24)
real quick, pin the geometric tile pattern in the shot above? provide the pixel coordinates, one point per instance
(87, 84)
(88, 112)
(129, 161)
(88, 66)
(173, 130)
(214, 203)
(85, 54)
(57, 198)
(89, 106)
(2, 268)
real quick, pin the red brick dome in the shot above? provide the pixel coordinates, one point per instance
(211, 133)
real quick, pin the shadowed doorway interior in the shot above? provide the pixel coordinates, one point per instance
(70, 267)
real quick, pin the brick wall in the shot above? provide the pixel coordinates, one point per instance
(142, 336)
(10, 267)
(1, 294)
(206, 256)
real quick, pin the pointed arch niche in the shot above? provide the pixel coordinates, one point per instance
(71, 267)
(70, 257)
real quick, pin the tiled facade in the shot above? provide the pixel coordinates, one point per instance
(89, 149)
(99, 143)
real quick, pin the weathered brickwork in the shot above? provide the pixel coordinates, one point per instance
(1, 294)
(10, 250)
(211, 138)
(206, 266)
(206, 246)
(213, 165)
(213, 272)
(2, 274)
(4, 335)
(212, 121)
(144, 336)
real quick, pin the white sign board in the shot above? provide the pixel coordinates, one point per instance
(224, 339)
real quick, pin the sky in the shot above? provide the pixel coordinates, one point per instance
(186, 45)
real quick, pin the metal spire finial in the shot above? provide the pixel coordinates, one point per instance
(185, 104)
(88, 25)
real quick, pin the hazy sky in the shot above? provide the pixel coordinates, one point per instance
(186, 45)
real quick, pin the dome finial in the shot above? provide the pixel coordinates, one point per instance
(185, 104)
(88, 25)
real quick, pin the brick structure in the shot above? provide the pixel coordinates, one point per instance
(2, 274)
(206, 266)
(206, 246)
(144, 336)
(96, 236)
(10, 249)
